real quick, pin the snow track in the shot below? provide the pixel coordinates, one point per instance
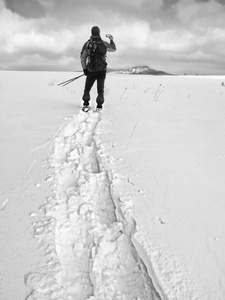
(86, 230)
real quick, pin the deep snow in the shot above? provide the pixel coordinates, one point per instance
(127, 203)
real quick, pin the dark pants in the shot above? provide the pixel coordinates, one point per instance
(90, 80)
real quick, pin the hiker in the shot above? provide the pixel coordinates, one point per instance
(93, 61)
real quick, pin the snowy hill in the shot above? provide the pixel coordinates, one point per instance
(142, 70)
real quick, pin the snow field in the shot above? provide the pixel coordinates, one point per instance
(156, 153)
(167, 135)
(87, 229)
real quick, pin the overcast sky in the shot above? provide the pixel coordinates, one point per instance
(176, 36)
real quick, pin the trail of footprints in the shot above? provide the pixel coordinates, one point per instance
(84, 233)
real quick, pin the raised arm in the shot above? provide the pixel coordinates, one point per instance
(111, 47)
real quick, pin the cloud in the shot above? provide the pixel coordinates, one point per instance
(200, 15)
(23, 40)
(27, 9)
(47, 4)
(172, 34)
(204, 23)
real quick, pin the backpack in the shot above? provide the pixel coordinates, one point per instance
(96, 50)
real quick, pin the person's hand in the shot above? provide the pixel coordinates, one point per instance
(109, 36)
(85, 71)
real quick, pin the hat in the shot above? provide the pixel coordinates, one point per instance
(95, 30)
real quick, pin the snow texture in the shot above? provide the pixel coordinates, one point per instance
(87, 230)
(127, 203)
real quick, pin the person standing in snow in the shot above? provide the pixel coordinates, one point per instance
(93, 61)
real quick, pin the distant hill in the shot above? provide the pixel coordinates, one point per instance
(142, 70)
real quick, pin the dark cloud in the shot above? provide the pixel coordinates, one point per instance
(26, 8)
(218, 1)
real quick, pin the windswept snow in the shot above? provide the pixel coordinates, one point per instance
(85, 233)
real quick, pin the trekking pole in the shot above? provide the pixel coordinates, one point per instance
(70, 80)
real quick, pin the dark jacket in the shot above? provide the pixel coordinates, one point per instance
(84, 55)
